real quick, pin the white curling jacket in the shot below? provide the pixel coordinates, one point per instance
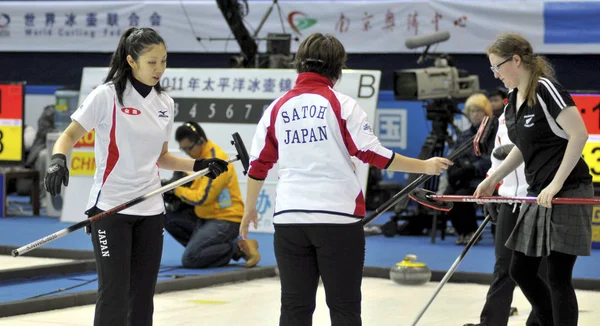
(514, 184)
(312, 132)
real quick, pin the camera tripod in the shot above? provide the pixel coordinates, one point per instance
(441, 114)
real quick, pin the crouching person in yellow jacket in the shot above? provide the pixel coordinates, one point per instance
(207, 220)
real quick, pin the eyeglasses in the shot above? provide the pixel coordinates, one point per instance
(188, 149)
(496, 68)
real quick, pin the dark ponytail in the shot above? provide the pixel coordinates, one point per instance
(134, 42)
(539, 67)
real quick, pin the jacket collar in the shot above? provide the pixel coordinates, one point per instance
(312, 78)
(207, 149)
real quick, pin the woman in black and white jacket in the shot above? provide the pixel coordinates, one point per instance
(496, 309)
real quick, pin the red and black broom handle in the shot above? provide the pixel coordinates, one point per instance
(512, 200)
(413, 185)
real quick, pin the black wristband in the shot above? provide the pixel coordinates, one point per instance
(198, 164)
(59, 156)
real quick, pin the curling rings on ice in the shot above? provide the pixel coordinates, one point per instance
(409, 272)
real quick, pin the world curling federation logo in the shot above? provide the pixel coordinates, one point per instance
(299, 22)
(4, 22)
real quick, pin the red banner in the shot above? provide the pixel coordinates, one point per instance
(589, 106)
(11, 101)
(88, 140)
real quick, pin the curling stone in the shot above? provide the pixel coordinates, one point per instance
(408, 272)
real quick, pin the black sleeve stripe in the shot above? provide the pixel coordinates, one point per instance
(253, 178)
(553, 92)
(390, 161)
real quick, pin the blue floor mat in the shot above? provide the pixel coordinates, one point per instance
(380, 251)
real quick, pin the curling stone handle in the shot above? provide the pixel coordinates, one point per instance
(410, 257)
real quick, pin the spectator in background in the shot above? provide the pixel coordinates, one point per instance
(497, 100)
(37, 155)
(208, 226)
(28, 137)
(468, 171)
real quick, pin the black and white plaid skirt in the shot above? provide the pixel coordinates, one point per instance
(563, 228)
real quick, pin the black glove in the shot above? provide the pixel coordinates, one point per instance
(501, 152)
(493, 209)
(461, 173)
(57, 174)
(90, 212)
(215, 166)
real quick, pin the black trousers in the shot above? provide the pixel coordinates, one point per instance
(496, 309)
(336, 253)
(554, 301)
(128, 250)
(463, 215)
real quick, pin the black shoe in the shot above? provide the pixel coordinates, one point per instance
(470, 236)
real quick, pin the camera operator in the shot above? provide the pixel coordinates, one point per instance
(468, 170)
(205, 215)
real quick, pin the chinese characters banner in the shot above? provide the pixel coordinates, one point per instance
(199, 26)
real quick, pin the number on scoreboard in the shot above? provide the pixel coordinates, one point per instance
(12, 98)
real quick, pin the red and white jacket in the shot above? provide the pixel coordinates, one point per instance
(514, 184)
(312, 132)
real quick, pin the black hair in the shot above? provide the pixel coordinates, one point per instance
(190, 130)
(321, 54)
(133, 42)
(499, 92)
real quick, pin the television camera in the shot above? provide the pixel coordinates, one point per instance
(442, 81)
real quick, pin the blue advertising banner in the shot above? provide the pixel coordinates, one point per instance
(573, 22)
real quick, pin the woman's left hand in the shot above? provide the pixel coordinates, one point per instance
(249, 216)
(545, 197)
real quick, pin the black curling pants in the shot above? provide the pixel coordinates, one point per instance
(336, 253)
(128, 251)
(554, 303)
(496, 309)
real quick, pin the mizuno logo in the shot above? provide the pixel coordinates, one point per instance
(162, 114)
